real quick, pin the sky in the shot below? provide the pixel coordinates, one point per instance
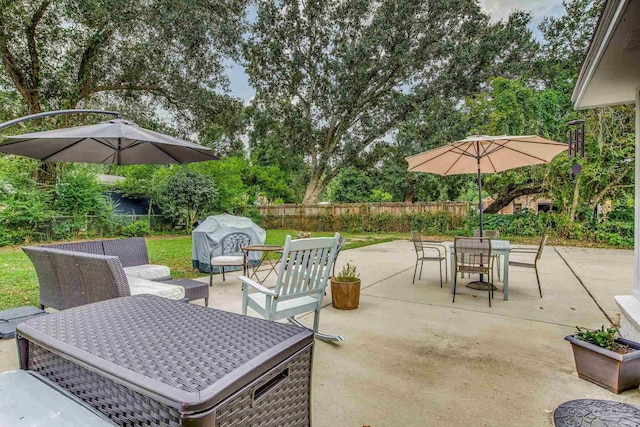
(499, 9)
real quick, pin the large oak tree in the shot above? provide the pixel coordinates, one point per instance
(337, 77)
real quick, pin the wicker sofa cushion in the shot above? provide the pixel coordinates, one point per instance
(139, 286)
(148, 271)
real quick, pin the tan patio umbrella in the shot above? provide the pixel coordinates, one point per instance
(485, 154)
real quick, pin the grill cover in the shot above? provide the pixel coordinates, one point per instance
(208, 235)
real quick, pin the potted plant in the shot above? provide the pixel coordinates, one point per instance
(345, 288)
(604, 358)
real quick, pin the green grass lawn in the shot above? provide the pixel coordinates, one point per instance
(19, 283)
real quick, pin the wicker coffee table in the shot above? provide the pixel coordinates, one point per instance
(146, 360)
(193, 289)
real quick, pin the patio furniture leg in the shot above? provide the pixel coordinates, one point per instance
(440, 268)
(415, 270)
(245, 298)
(453, 279)
(206, 302)
(420, 275)
(538, 279)
(446, 272)
(211, 276)
(224, 279)
(321, 336)
(505, 277)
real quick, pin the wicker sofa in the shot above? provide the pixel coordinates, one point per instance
(73, 274)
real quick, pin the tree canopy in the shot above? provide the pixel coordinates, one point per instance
(337, 78)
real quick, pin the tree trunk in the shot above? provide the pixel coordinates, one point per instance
(48, 173)
(315, 187)
(508, 194)
(409, 192)
(576, 199)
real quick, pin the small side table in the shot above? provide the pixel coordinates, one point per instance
(265, 249)
(193, 289)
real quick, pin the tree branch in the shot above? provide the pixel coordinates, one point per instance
(89, 55)
(33, 53)
(13, 69)
(510, 192)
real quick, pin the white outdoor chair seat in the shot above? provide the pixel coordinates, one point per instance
(228, 260)
(148, 271)
(258, 302)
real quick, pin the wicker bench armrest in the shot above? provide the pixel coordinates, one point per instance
(257, 286)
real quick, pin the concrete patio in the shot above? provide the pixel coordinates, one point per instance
(413, 358)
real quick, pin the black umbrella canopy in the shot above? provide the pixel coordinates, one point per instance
(115, 141)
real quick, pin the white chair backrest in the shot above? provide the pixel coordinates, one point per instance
(306, 265)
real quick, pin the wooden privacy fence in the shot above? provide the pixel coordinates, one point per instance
(363, 216)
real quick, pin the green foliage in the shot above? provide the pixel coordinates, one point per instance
(25, 214)
(603, 337)
(79, 193)
(229, 177)
(348, 274)
(332, 79)
(136, 229)
(185, 195)
(147, 55)
(351, 186)
(381, 196)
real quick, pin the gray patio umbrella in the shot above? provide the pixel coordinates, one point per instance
(486, 154)
(116, 141)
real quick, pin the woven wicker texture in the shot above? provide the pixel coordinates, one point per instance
(47, 276)
(89, 247)
(125, 407)
(130, 251)
(185, 346)
(70, 279)
(287, 404)
(192, 288)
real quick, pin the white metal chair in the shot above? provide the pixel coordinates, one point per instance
(231, 253)
(304, 272)
(534, 264)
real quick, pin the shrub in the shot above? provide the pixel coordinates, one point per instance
(79, 193)
(186, 195)
(136, 229)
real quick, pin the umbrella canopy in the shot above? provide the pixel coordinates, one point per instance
(115, 141)
(486, 154)
(489, 154)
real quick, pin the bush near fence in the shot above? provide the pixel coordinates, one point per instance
(58, 228)
(613, 232)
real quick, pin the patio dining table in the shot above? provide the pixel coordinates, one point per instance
(498, 247)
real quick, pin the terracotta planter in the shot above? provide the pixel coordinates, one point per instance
(613, 371)
(345, 295)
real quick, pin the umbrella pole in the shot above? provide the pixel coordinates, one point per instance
(480, 208)
(480, 284)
